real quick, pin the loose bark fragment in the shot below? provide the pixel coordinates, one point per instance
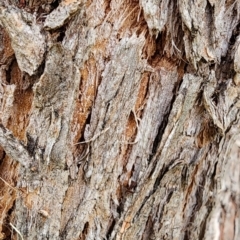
(58, 17)
(28, 42)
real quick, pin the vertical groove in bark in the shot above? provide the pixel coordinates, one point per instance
(127, 113)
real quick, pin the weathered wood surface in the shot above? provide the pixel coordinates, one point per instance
(119, 119)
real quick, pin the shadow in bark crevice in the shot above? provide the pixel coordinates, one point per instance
(9, 70)
(164, 124)
(110, 230)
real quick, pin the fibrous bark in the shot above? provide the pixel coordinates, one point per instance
(119, 119)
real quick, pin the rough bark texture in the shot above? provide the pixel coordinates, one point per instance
(119, 119)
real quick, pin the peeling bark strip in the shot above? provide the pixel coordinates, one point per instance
(128, 111)
(14, 148)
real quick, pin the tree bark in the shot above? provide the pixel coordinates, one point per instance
(119, 119)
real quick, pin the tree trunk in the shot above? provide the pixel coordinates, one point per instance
(120, 119)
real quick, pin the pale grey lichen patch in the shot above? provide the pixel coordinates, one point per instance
(27, 40)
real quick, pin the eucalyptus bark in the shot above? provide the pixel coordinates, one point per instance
(119, 119)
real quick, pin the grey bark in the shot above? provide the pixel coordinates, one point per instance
(123, 117)
(14, 148)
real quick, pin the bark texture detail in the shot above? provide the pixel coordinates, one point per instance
(119, 119)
